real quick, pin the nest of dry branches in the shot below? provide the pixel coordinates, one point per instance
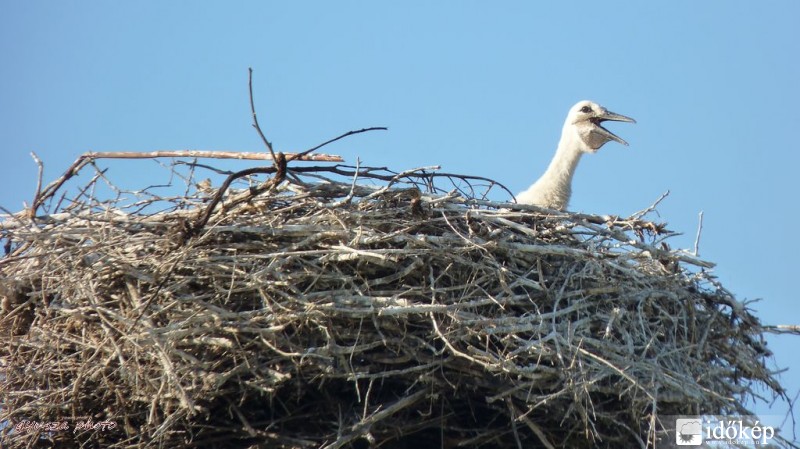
(338, 307)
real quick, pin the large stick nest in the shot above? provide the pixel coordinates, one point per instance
(352, 307)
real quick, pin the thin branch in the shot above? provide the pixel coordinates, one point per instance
(38, 178)
(650, 208)
(255, 119)
(476, 178)
(697, 238)
(53, 187)
(350, 195)
(349, 133)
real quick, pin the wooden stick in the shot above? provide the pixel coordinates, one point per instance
(250, 156)
(697, 238)
(782, 329)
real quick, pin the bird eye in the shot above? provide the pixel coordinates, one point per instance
(586, 109)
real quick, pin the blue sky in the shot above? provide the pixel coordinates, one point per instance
(477, 87)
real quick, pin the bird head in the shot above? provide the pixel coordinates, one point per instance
(585, 121)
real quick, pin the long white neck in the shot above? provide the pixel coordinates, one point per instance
(554, 188)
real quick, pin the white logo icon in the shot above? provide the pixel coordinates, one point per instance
(688, 432)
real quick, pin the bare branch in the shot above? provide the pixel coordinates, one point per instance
(349, 133)
(255, 119)
(783, 329)
(699, 232)
(209, 154)
(650, 208)
(38, 178)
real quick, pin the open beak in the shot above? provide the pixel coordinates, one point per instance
(611, 117)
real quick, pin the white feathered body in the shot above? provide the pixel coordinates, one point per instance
(554, 188)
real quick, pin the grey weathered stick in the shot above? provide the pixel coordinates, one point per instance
(210, 154)
(783, 329)
(364, 425)
(697, 238)
(650, 208)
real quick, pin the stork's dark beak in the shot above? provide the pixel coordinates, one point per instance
(610, 117)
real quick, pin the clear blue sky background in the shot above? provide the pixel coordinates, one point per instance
(477, 87)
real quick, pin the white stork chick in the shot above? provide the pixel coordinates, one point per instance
(582, 133)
